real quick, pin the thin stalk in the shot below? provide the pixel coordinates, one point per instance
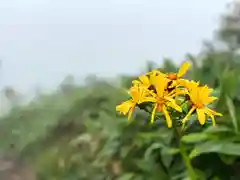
(186, 159)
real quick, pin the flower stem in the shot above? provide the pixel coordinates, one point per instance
(187, 162)
(186, 159)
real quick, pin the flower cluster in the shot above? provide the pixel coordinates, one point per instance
(167, 94)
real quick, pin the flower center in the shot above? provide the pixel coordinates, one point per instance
(160, 102)
(172, 76)
(199, 105)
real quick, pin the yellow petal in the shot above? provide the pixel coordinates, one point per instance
(134, 92)
(136, 82)
(155, 73)
(201, 116)
(189, 85)
(130, 113)
(214, 113)
(211, 116)
(170, 94)
(144, 79)
(207, 89)
(160, 85)
(125, 107)
(183, 82)
(183, 69)
(210, 99)
(149, 73)
(153, 113)
(181, 92)
(152, 93)
(147, 99)
(146, 95)
(213, 120)
(194, 94)
(168, 118)
(188, 115)
(204, 92)
(173, 84)
(174, 105)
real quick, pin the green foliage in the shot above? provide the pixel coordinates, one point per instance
(75, 133)
(78, 135)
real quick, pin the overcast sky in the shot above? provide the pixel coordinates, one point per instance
(41, 41)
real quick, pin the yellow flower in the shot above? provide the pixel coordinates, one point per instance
(182, 70)
(179, 91)
(155, 73)
(147, 79)
(199, 97)
(163, 99)
(188, 86)
(143, 80)
(138, 95)
(176, 77)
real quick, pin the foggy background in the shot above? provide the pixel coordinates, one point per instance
(44, 40)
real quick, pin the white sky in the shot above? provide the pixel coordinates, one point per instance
(41, 41)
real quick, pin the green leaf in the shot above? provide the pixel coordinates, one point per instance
(170, 151)
(181, 175)
(195, 137)
(126, 176)
(227, 159)
(229, 82)
(185, 107)
(216, 92)
(124, 151)
(153, 147)
(231, 109)
(215, 178)
(200, 175)
(161, 133)
(217, 147)
(217, 129)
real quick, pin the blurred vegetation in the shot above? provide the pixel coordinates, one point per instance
(74, 133)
